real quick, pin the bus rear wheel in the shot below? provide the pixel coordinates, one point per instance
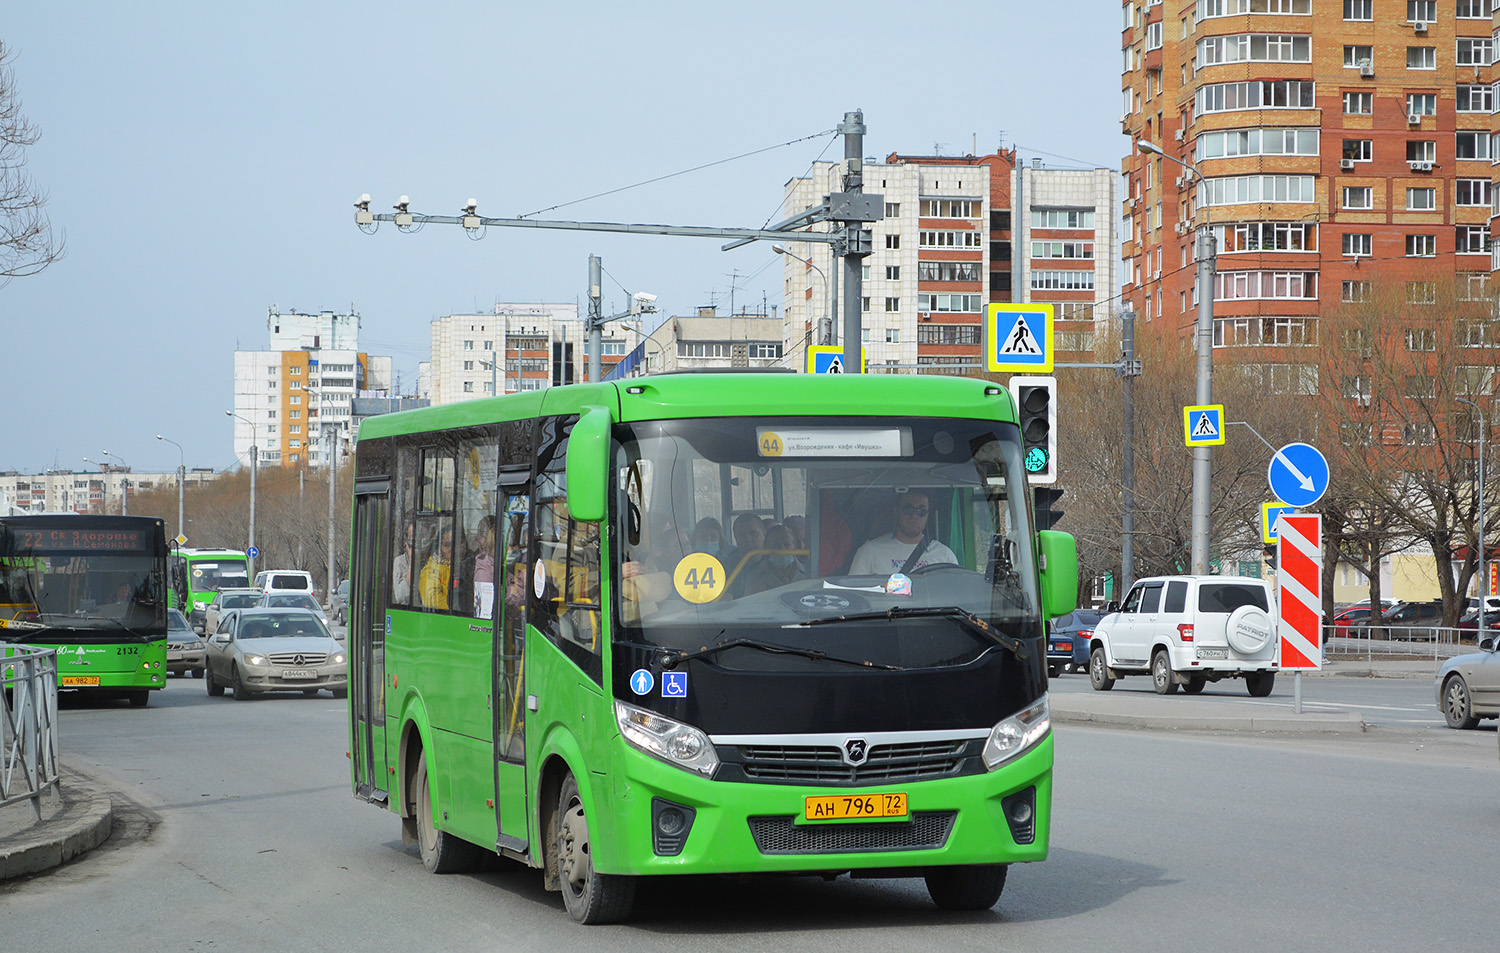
(967, 888)
(591, 897)
(442, 853)
(139, 698)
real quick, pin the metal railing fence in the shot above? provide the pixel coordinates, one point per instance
(1393, 642)
(28, 724)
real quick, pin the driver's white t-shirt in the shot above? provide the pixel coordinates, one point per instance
(886, 554)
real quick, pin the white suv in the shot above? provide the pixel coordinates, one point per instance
(1187, 631)
(284, 580)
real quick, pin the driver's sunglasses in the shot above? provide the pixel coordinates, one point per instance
(910, 510)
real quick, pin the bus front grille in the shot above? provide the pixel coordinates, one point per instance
(808, 764)
(927, 830)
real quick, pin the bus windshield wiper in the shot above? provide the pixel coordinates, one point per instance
(975, 622)
(673, 659)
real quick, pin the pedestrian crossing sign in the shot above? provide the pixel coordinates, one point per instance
(829, 359)
(1018, 338)
(1203, 426)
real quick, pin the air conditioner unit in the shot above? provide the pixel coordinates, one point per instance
(1178, 181)
(1125, 119)
(1414, 119)
(1366, 68)
(1178, 135)
(1419, 27)
(1421, 166)
(1346, 164)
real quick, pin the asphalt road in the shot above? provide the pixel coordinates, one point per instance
(246, 838)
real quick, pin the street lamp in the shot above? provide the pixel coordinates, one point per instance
(104, 482)
(640, 303)
(493, 365)
(1484, 585)
(181, 483)
(254, 468)
(825, 326)
(1202, 455)
(124, 483)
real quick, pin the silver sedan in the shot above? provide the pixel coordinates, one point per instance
(275, 650)
(185, 650)
(1468, 686)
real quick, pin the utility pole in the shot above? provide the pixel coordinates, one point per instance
(1128, 373)
(333, 482)
(595, 320)
(1203, 456)
(851, 216)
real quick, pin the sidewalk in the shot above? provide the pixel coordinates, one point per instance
(74, 820)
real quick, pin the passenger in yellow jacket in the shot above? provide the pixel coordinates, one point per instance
(436, 576)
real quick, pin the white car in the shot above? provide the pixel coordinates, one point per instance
(1186, 631)
(284, 580)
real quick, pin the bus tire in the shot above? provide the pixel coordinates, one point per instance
(590, 897)
(967, 888)
(241, 693)
(442, 853)
(215, 690)
(139, 698)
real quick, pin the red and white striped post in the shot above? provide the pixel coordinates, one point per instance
(1299, 594)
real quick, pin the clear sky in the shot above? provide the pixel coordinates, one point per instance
(203, 160)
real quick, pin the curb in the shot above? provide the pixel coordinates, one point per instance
(1341, 723)
(85, 821)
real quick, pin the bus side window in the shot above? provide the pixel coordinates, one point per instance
(565, 558)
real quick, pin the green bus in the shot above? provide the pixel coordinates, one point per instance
(197, 574)
(95, 589)
(708, 624)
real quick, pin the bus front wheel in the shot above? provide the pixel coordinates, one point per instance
(967, 888)
(442, 853)
(591, 897)
(139, 698)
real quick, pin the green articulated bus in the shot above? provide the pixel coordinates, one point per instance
(708, 624)
(197, 574)
(95, 589)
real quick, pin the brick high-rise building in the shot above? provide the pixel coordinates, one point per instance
(1335, 139)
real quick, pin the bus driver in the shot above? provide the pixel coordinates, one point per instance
(897, 551)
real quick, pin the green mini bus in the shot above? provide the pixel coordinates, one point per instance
(197, 574)
(95, 589)
(708, 624)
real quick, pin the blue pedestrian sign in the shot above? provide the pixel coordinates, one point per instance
(1298, 475)
(1269, 512)
(674, 684)
(1018, 338)
(829, 359)
(252, 552)
(641, 681)
(1203, 425)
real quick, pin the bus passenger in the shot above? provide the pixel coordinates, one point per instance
(897, 551)
(778, 567)
(437, 574)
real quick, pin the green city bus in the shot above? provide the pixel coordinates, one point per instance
(197, 574)
(708, 624)
(94, 588)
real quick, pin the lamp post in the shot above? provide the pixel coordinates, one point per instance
(493, 365)
(181, 484)
(1484, 577)
(1202, 455)
(825, 324)
(124, 483)
(104, 482)
(641, 303)
(254, 467)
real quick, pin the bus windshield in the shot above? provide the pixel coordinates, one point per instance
(103, 591)
(213, 576)
(790, 537)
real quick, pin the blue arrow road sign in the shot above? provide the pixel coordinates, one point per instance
(1298, 475)
(252, 552)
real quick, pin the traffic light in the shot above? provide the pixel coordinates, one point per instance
(1036, 410)
(1044, 506)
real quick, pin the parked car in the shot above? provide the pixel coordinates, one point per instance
(284, 580)
(185, 650)
(1414, 621)
(224, 600)
(1468, 686)
(1068, 641)
(338, 603)
(1468, 624)
(268, 650)
(1350, 618)
(1186, 631)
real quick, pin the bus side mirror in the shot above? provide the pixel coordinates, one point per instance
(1059, 575)
(588, 465)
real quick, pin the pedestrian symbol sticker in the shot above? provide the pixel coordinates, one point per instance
(1018, 338)
(1203, 426)
(674, 684)
(641, 681)
(836, 366)
(829, 359)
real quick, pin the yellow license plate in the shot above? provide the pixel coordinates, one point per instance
(80, 680)
(844, 806)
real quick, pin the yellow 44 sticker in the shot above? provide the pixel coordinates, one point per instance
(699, 577)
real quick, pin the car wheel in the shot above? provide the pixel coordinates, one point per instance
(442, 853)
(967, 888)
(212, 684)
(139, 698)
(1099, 671)
(1259, 684)
(1195, 684)
(241, 693)
(1161, 674)
(591, 897)
(1458, 711)
(340, 692)
(1052, 671)
(197, 673)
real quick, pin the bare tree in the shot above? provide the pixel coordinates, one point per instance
(26, 241)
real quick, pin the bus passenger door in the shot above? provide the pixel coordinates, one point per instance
(369, 594)
(509, 692)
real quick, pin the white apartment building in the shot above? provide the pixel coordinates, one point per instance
(86, 491)
(293, 402)
(708, 340)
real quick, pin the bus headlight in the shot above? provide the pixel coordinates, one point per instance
(1018, 733)
(671, 741)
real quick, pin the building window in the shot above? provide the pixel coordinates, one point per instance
(1421, 200)
(1239, 189)
(892, 304)
(1475, 99)
(959, 239)
(956, 334)
(893, 241)
(1081, 250)
(1421, 57)
(1071, 280)
(1421, 11)
(1263, 331)
(892, 272)
(1475, 51)
(1421, 104)
(1472, 10)
(1358, 196)
(1358, 10)
(468, 387)
(1473, 240)
(1473, 145)
(468, 345)
(963, 303)
(1359, 104)
(949, 270)
(1254, 48)
(468, 365)
(864, 304)
(1358, 244)
(1233, 285)
(893, 335)
(1302, 141)
(1356, 291)
(893, 210)
(1266, 236)
(762, 350)
(1062, 218)
(294, 414)
(1420, 292)
(1356, 56)
(950, 208)
(1256, 94)
(295, 399)
(1421, 246)
(295, 371)
(1420, 387)
(1357, 150)
(1421, 150)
